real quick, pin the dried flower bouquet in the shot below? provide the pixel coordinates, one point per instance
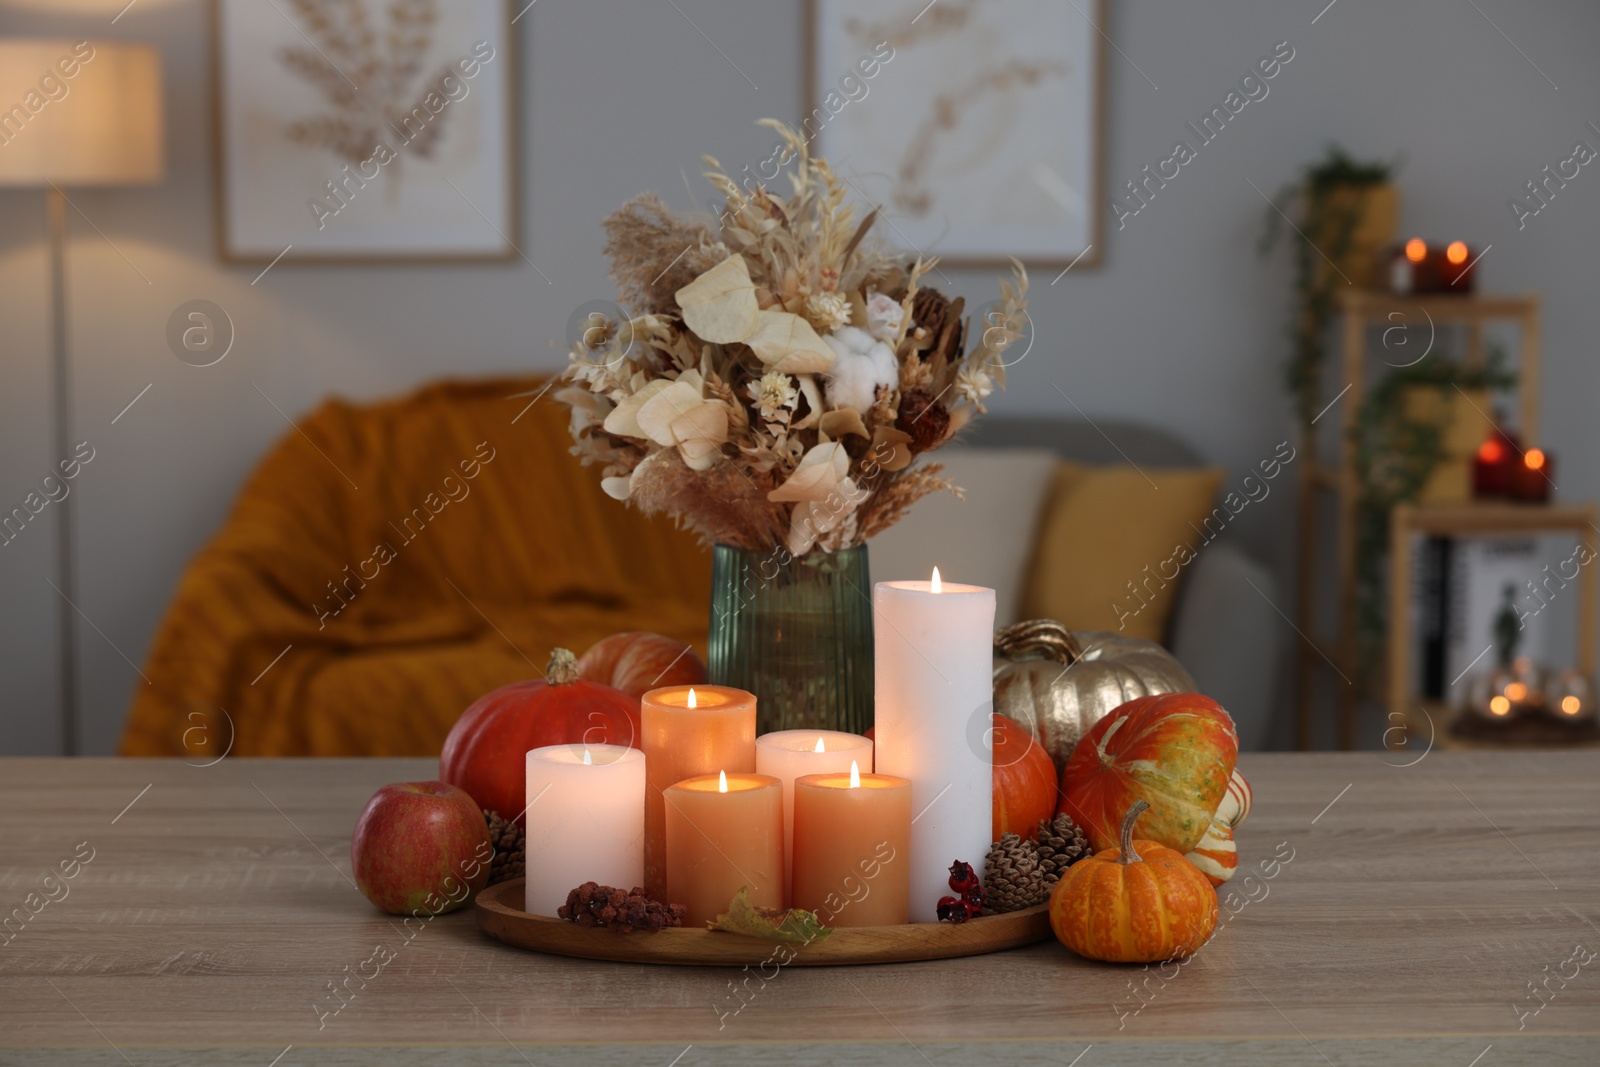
(783, 370)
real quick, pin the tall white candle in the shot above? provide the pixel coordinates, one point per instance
(788, 754)
(933, 712)
(585, 821)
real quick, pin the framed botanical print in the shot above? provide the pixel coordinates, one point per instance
(366, 130)
(977, 132)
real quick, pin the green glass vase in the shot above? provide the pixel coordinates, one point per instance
(796, 632)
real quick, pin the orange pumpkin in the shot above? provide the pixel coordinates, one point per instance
(638, 661)
(1137, 903)
(1175, 751)
(1024, 780)
(486, 751)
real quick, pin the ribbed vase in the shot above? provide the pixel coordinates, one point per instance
(797, 634)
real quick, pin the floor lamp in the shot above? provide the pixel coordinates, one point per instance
(80, 113)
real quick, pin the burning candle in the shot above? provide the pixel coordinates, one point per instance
(934, 709)
(585, 821)
(788, 754)
(723, 831)
(852, 836)
(687, 731)
(1530, 476)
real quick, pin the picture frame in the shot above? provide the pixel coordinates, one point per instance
(1006, 163)
(296, 180)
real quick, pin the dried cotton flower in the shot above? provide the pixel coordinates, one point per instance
(862, 364)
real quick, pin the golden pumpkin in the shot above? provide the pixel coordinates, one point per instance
(1058, 683)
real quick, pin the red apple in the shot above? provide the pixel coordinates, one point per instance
(420, 848)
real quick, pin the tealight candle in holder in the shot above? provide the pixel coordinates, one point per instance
(852, 838)
(687, 731)
(788, 754)
(1571, 698)
(585, 821)
(723, 831)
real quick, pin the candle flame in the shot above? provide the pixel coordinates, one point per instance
(722, 777)
(937, 587)
(1416, 250)
(1456, 252)
(819, 747)
(855, 775)
(1571, 705)
(692, 704)
(588, 761)
(1500, 706)
(1517, 691)
(1534, 459)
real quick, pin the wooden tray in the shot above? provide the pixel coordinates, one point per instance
(500, 915)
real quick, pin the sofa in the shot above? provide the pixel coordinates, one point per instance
(387, 563)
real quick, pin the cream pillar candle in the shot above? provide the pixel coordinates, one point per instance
(585, 821)
(788, 754)
(933, 706)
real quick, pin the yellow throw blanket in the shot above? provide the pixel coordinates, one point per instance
(387, 564)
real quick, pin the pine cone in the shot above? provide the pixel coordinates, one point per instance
(1061, 844)
(1013, 879)
(941, 317)
(924, 419)
(928, 309)
(509, 858)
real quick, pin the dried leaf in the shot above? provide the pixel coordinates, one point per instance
(700, 432)
(840, 421)
(819, 473)
(720, 306)
(624, 420)
(668, 405)
(771, 924)
(787, 343)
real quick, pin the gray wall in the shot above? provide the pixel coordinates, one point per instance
(1180, 325)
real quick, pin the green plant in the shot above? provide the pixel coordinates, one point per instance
(1394, 456)
(1327, 225)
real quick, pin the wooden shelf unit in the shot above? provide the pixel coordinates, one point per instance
(1466, 520)
(1357, 310)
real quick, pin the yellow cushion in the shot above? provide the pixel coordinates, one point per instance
(1113, 544)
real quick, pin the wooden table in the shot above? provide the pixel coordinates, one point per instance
(1420, 904)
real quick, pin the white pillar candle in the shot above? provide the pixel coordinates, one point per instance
(789, 754)
(933, 709)
(585, 821)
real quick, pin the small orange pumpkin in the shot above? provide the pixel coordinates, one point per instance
(1024, 780)
(1138, 903)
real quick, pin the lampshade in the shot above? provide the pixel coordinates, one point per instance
(79, 113)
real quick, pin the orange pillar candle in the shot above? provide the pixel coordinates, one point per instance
(687, 731)
(723, 831)
(789, 754)
(852, 844)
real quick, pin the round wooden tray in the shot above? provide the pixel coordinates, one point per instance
(500, 915)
